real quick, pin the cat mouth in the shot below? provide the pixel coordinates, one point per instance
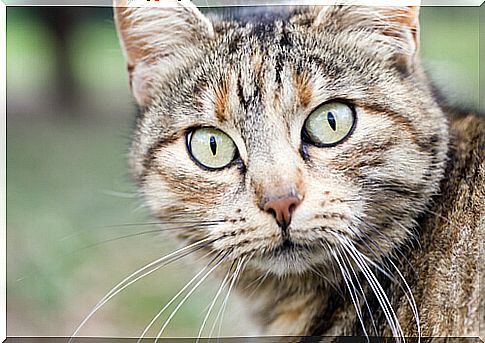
(287, 257)
(289, 246)
(288, 249)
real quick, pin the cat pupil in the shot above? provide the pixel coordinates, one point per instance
(213, 145)
(331, 121)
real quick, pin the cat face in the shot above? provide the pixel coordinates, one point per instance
(283, 137)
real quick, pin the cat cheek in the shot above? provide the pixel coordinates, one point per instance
(331, 201)
(193, 194)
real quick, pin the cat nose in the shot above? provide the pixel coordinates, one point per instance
(282, 208)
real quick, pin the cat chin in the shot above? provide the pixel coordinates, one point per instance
(283, 268)
(289, 260)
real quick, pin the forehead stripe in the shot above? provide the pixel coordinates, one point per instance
(221, 101)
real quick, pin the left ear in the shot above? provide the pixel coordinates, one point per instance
(392, 30)
(163, 34)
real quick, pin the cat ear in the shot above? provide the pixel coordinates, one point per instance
(163, 35)
(392, 30)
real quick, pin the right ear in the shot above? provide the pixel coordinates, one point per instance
(162, 35)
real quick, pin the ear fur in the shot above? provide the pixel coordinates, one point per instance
(394, 30)
(166, 34)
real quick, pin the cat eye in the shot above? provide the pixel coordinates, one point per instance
(211, 148)
(329, 124)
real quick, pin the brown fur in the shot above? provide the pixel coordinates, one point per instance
(446, 276)
(303, 89)
(221, 101)
(398, 202)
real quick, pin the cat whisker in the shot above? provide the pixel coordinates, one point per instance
(142, 233)
(329, 282)
(222, 310)
(412, 302)
(117, 194)
(147, 328)
(381, 296)
(261, 280)
(184, 299)
(352, 290)
(203, 257)
(444, 218)
(209, 311)
(194, 223)
(387, 272)
(350, 200)
(155, 318)
(408, 293)
(142, 272)
(136, 225)
(222, 307)
(333, 269)
(363, 293)
(132, 235)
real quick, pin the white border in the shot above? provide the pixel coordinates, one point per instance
(108, 3)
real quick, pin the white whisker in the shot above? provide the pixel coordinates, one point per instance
(147, 328)
(353, 293)
(224, 303)
(378, 291)
(186, 297)
(223, 284)
(406, 290)
(363, 294)
(261, 279)
(410, 298)
(155, 265)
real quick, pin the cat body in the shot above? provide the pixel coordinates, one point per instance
(374, 233)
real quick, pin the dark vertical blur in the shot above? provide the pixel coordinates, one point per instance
(60, 21)
(64, 93)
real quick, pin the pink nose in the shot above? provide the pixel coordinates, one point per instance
(282, 209)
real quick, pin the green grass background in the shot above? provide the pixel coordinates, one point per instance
(67, 182)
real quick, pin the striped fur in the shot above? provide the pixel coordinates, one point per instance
(257, 74)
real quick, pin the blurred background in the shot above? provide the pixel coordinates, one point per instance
(69, 196)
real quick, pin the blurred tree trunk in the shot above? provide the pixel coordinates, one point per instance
(61, 21)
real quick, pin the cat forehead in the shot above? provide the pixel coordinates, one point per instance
(253, 14)
(244, 76)
(256, 75)
(257, 57)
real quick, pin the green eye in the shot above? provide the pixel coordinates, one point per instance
(329, 124)
(211, 148)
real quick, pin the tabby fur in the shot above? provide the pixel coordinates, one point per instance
(403, 196)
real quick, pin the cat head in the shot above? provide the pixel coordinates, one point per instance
(285, 136)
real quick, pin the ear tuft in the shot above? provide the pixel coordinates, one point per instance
(393, 29)
(167, 32)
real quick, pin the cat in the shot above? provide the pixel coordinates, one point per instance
(308, 158)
